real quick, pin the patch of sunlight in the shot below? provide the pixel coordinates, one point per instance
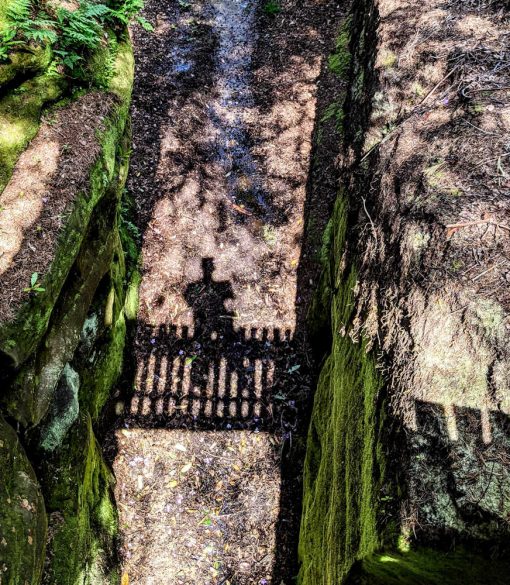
(197, 507)
(388, 559)
(22, 201)
(13, 133)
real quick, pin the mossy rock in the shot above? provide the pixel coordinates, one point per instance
(345, 468)
(99, 356)
(20, 336)
(83, 520)
(20, 113)
(31, 59)
(31, 393)
(64, 411)
(22, 514)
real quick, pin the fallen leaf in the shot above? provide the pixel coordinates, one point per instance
(186, 468)
(240, 209)
(125, 579)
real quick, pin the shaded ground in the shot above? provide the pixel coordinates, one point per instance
(225, 106)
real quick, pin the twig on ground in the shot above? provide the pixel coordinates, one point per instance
(374, 231)
(493, 159)
(439, 84)
(485, 272)
(481, 129)
(504, 88)
(454, 227)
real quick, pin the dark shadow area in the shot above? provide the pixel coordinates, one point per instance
(218, 376)
(461, 456)
(457, 525)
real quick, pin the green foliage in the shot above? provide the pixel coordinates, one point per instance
(34, 287)
(129, 10)
(21, 23)
(74, 34)
(272, 7)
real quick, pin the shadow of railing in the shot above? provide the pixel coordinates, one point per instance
(212, 374)
(460, 470)
(228, 378)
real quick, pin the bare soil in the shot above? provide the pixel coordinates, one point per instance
(227, 99)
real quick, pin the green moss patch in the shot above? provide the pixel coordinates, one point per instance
(429, 567)
(20, 112)
(22, 514)
(340, 60)
(31, 59)
(99, 357)
(344, 466)
(83, 520)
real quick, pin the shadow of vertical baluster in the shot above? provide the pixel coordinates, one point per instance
(264, 377)
(179, 377)
(252, 390)
(158, 350)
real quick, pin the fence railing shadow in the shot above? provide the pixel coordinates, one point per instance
(230, 378)
(459, 458)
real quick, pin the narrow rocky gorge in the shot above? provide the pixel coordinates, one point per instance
(223, 133)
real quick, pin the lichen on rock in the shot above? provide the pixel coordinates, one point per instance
(64, 410)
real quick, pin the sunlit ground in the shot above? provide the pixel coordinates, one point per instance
(197, 508)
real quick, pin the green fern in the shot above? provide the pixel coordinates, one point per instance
(19, 12)
(73, 34)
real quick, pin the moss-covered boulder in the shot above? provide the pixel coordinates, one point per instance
(62, 307)
(20, 113)
(74, 263)
(99, 357)
(29, 59)
(82, 517)
(406, 475)
(33, 390)
(22, 514)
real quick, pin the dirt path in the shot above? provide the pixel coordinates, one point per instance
(207, 453)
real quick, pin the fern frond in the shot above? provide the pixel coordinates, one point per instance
(19, 11)
(95, 10)
(41, 35)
